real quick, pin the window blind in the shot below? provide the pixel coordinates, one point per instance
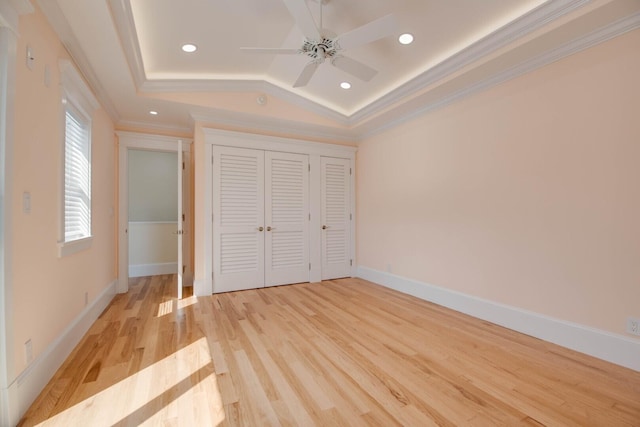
(77, 177)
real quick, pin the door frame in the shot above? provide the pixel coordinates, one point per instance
(141, 141)
(315, 150)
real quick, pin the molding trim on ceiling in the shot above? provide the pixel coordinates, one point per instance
(62, 28)
(608, 32)
(254, 123)
(22, 7)
(10, 12)
(527, 23)
(147, 126)
(125, 26)
(518, 28)
(243, 86)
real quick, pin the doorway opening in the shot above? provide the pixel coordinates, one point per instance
(154, 235)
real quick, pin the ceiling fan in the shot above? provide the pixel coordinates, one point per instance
(322, 45)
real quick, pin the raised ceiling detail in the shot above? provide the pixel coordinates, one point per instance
(130, 51)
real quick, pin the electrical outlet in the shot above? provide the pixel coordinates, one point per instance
(86, 298)
(28, 351)
(633, 326)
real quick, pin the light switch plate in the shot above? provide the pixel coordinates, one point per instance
(26, 202)
(30, 58)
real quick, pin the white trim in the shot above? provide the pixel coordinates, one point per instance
(275, 143)
(142, 270)
(59, 22)
(10, 12)
(526, 24)
(256, 123)
(314, 150)
(139, 141)
(153, 222)
(76, 89)
(74, 246)
(258, 86)
(604, 345)
(154, 127)
(8, 42)
(514, 30)
(35, 377)
(204, 286)
(608, 32)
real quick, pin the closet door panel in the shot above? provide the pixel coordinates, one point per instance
(238, 218)
(335, 218)
(287, 218)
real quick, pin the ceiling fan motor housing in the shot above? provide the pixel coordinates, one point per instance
(319, 51)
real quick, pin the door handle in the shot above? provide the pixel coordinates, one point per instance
(324, 227)
(260, 228)
(270, 228)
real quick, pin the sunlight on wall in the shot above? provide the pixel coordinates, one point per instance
(182, 386)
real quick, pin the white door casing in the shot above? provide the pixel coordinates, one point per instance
(180, 229)
(335, 217)
(204, 283)
(138, 141)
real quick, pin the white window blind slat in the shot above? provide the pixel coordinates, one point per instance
(77, 177)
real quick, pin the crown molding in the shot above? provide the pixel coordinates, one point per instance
(125, 26)
(152, 127)
(255, 123)
(526, 24)
(520, 27)
(600, 35)
(61, 26)
(10, 12)
(204, 85)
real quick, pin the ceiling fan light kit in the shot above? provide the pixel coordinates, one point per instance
(320, 45)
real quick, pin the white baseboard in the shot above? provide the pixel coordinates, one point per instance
(604, 345)
(141, 270)
(24, 390)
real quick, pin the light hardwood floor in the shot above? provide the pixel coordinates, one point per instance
(344, 352)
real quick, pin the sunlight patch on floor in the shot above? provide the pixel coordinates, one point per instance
(165, 308)
(186, 302)
(181, 388)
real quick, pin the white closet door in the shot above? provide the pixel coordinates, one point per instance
(336, 224)
(238, 219)
(287, 218)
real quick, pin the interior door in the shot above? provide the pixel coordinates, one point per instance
(335, 217)
(238, 219)
(287, 218)
(180, 230)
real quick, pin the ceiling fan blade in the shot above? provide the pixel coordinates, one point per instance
(304, 20)
(355, 68)
(368, 33)
(270, 50)
(306, 74)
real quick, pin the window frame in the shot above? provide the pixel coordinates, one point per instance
(80, 101)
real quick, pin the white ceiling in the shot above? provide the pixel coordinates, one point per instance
(129, 50)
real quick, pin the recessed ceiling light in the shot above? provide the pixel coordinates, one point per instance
(153, 113)
(406, 38)
(189, 48)
(345, 85)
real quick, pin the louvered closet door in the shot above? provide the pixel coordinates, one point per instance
(336, 224)
(238, 215)
(287, 218)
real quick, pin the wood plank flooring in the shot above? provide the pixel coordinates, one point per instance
(344, 352)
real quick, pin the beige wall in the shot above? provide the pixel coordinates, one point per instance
(49, 292)
(527, 194)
